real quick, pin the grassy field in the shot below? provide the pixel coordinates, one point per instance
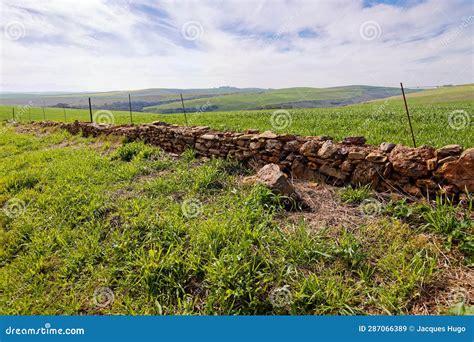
(222, 98)
(434, 123)
(94, 226)
(274, 97)
(454, 94)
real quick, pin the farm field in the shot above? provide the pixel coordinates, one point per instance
(434, 123)
(164, 100)
(452, 94)
(299, 97)
(100, 226)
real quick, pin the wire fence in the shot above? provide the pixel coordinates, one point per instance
(98, 109)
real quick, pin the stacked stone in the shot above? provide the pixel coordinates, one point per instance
(416, 171)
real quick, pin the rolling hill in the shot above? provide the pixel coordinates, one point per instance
(281, 98)
(460, 93)
(211, 99)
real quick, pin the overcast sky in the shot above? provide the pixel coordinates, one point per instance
(89, 45)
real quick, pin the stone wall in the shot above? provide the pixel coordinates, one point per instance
(414, 171)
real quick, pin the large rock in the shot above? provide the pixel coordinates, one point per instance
(357, 155)
(327, 150)
(273, 145)
(271, 176)
(376, 157)
(448, 150)
(387, 147)
(267, 135)
(460, 172)
(367, 173)
(411, 162)
(354, 141)
(292, 146)
(310, 148)
(332, 172)
(301, 170)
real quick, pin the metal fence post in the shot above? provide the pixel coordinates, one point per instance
(130, 107)
(90, 109)
(408, 114)
(184, 110)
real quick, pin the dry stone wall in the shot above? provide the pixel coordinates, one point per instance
(414, 171)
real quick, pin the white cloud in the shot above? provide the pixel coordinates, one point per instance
(105, 45)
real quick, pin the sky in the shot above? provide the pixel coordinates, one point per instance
(101, 45)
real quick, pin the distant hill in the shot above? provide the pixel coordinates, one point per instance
(117, 100)
(163, 100)
(460, 93)
(281, 98)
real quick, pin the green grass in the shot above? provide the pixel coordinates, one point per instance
(444, 94)
(440, 117)
(275, 97)
(378, 122)
(180, 236)
(356, 194)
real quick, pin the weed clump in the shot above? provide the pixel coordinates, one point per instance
(355, 195)
(133, 150)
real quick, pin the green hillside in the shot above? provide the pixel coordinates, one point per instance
(281, 98)
(451, 94)
(435, 124)
(107, 99)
